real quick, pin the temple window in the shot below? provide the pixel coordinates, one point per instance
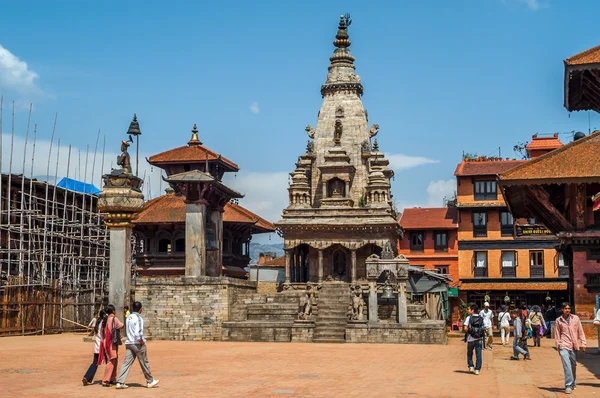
(336, 188)
(416, 241)
(180, 245)
(164, 246)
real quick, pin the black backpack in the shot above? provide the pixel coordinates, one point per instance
(476, 326)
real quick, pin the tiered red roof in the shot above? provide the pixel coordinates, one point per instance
(170, 209)
(485, 166)
(190, 154)
(577, 161)
(429, 218)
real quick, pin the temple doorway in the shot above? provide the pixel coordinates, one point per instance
(340, 264)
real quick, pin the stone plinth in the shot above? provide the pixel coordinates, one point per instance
(189, 308)
(426, 332)
(195, 253)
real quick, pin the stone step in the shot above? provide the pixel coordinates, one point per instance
(331, 329)
(329, 341)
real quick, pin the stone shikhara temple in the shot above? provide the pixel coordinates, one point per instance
(343, 280)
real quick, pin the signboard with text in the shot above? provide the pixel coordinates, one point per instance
(532, 230)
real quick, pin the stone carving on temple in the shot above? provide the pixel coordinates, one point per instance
(306, 302)
(357, 304)
(310, 130)
(339, 112)
(337, 135)
(366, 147)
(310, 147)
(124, 159)
(374, 130)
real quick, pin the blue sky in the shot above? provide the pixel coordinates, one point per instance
(440, 78)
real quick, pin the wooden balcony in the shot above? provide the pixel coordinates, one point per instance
(509, 272)
(481, 272)
(536, 271)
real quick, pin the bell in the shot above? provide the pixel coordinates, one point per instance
(388, 292)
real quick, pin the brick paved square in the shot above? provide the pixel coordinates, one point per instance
(47, 366)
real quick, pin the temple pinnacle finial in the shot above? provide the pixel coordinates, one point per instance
(342, 39)
(134, 127)
(194, 140)
(376, 146)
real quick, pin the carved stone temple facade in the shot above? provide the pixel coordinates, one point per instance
(340, 209)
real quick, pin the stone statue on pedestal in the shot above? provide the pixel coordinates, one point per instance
(123, 159)
(356, 304)
(306, 303)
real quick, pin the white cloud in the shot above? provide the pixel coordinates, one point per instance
(440, 189)
(401, 162)
(15, 74)
(265, 192)
(254, 108)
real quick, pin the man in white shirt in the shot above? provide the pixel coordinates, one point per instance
(597, 319)
(487, 316)
(136, 348)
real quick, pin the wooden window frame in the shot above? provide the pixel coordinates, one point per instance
(482, 190)
(417, 248)
(478, 230)
(443, 247)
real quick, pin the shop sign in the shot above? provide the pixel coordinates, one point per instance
(532, 230)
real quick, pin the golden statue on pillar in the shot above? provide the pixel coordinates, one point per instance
(123, 159)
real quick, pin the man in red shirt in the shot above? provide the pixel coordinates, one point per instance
(568, 332)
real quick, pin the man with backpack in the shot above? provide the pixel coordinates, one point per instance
(475, 330)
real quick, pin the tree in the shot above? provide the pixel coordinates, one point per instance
(469, 156)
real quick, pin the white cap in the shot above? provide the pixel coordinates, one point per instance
(486, 304)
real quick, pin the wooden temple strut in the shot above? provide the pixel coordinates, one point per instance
(539, 199)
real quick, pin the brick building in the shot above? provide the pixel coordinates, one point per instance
(430, 239)
(499, 256)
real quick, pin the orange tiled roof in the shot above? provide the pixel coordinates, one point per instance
(189, 154)
(276, 262)
(544, 143)
(485, 166)
(576, 160)
(170, 208)
(429, 218)
(591, 56)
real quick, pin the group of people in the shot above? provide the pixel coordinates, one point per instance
(107, 332)
(531, 324)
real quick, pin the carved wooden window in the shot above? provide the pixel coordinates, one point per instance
(164, 246)
(480, 264)
(485, 190)
(442, 269)
(180, 245)
(416, 241)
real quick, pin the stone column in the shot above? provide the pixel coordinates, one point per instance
(320, 271)
(286, 283)
(195, 245)
(121, 198)
(347, 189)
(119, 281)
(402, 308)
(373, 308)
(353, 275)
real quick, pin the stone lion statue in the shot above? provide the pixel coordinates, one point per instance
(306, 302)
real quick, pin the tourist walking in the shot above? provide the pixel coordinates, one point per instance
(88, 378)
(487, 316)
(92, 325)
(520, 334)
(475, 330)
(568, 332)
(136, 348)
(538, 325)
(597, 319)
(504, 322)
(109, 345)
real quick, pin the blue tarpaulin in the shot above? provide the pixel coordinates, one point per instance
(78, 186)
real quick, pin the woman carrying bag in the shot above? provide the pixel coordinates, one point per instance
(109, 346)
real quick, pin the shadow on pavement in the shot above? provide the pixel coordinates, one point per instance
(462, 371)
(590, 361)
(552, 389)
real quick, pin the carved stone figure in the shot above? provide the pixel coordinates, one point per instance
(306, 302)
(366, 146)
(374, 130)
(310, 130)
(337, 135)
(123, 159)
(339, 112)
(310, 147)
(357, 304)
(387, 253)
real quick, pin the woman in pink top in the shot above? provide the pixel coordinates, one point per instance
(568, 332)
(109, 352)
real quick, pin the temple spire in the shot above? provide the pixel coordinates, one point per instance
(194, 141)
(341, 76)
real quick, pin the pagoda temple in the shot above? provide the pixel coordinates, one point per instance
(160, 228)
(340, 207)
